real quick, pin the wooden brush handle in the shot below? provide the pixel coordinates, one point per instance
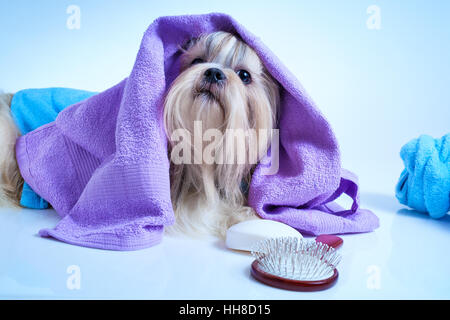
(288, 284)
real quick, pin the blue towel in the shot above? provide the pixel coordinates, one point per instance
(424, 184)
(33, 108)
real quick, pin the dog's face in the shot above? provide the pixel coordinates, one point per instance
(223, 85)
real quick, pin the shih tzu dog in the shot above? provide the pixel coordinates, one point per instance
(218, 117)
(223, 94)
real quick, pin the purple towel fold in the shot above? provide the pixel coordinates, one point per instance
(103, 163)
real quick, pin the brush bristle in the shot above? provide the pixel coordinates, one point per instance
(296, 259)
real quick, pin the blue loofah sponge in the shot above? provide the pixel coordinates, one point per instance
(424, 184)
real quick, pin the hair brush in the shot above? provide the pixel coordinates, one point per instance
(297, 264)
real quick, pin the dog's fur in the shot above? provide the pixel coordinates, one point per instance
(11, 181)
(207, 197)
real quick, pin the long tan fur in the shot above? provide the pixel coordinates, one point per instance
(208, 198)
(11, 181)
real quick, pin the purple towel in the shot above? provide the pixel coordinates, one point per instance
(103, 163)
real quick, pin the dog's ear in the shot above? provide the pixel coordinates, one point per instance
(189, 44)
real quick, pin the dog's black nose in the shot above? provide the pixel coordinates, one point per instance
(214, 75)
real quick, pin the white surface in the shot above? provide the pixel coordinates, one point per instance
(407, 257)
(244, 235)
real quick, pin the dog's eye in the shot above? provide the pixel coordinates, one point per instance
(197, 60)
(245, 76)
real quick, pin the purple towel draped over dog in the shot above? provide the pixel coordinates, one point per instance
(104, 167)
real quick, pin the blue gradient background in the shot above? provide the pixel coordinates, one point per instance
(378, 88)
